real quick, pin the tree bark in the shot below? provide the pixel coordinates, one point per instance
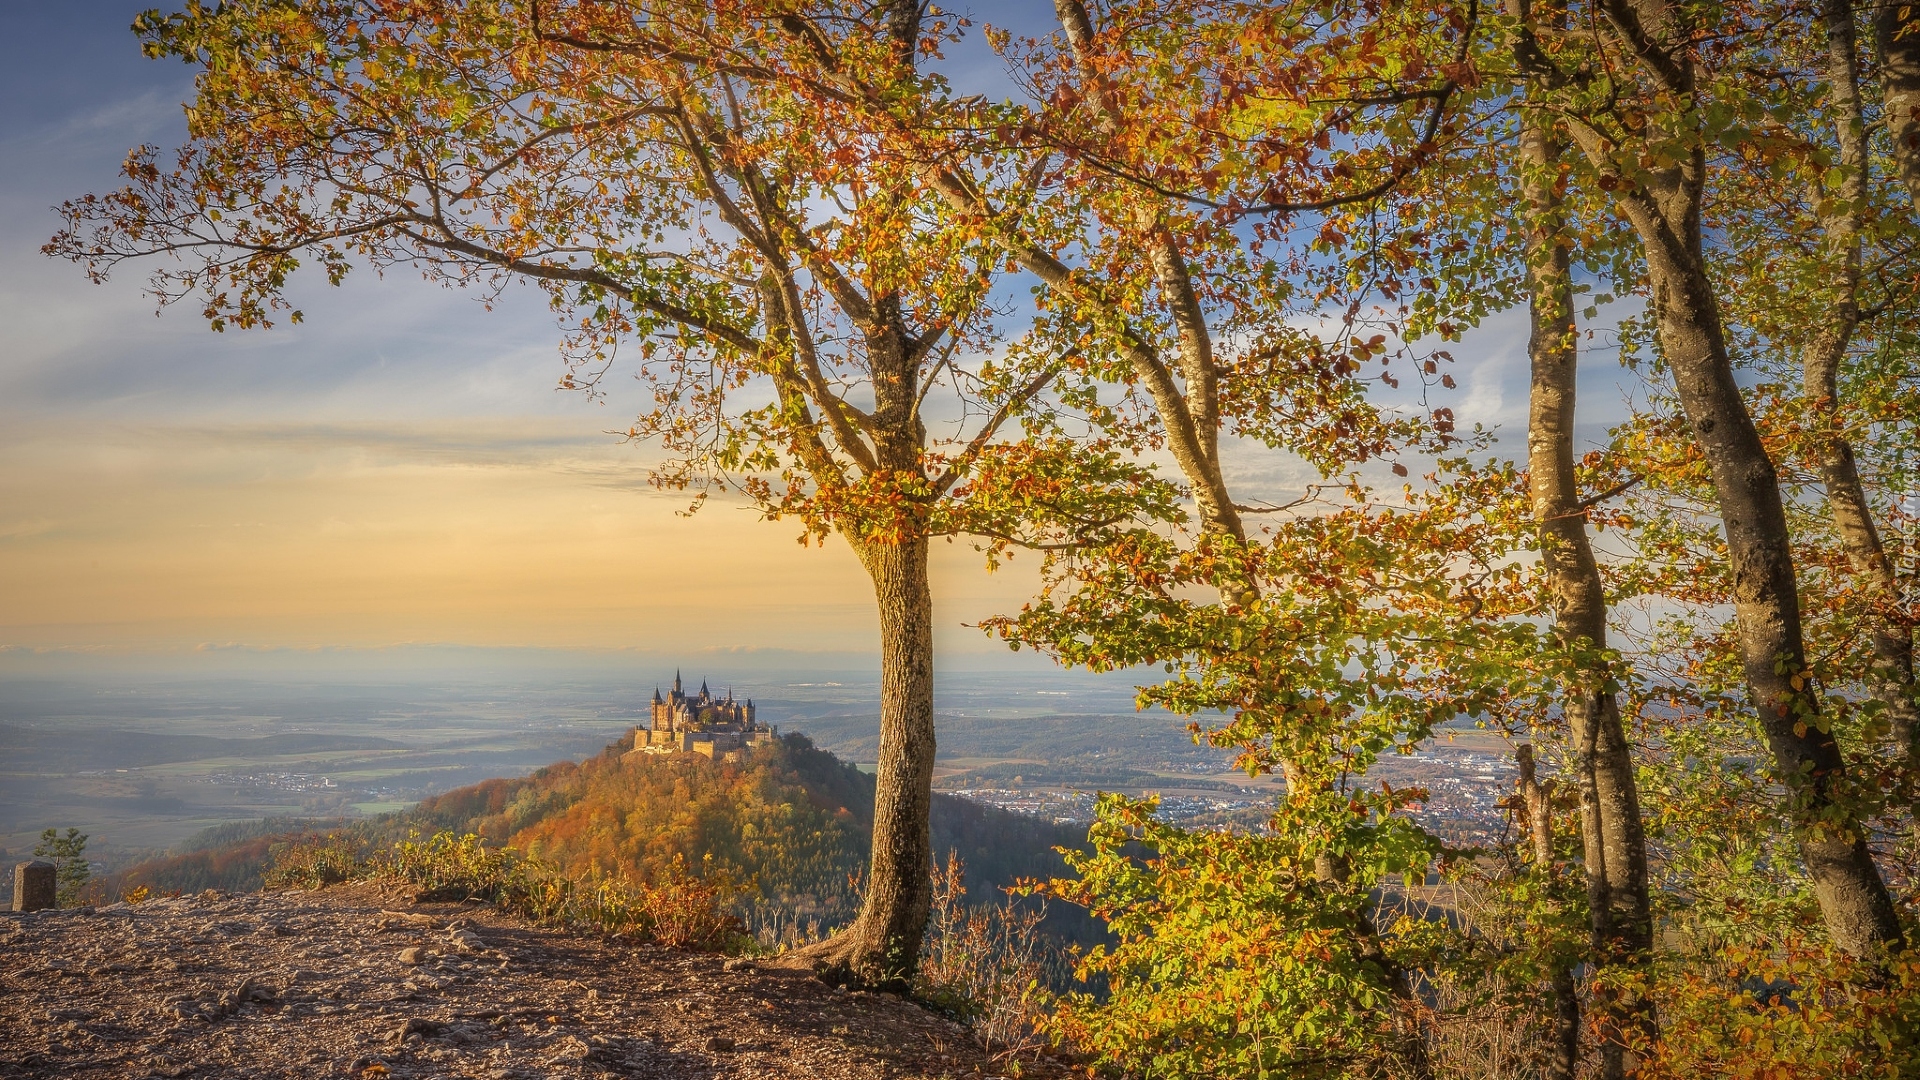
(1664, 208)
(1663, 203)
(1612, 834)
(1896, 26)
(1536, 802)
(1853, 898)
(882, 947)
(1892, 680)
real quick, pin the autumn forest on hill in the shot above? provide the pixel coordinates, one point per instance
(1171, 303)
(790, 828)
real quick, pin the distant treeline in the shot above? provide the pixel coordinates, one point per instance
(36, 750)
(1085, 778)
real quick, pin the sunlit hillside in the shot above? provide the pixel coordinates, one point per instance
(791, 826)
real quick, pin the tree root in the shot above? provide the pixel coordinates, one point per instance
(841, 960)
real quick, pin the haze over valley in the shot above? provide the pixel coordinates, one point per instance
(144, 763)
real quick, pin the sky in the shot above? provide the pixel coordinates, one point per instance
(400, 472)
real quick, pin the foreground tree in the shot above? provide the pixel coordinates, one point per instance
(698, 186)
(1612, 829)
(1613, 838)
(1647, 131)
(1209, 162)
(1855, 212)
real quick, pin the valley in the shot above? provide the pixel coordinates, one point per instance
(144, 766)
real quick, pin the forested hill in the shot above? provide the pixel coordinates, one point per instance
(792, 826)
(794, 823)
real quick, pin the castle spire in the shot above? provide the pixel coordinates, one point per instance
(676, 682)
(656, 695)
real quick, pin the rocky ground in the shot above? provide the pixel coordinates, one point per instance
(359, 981)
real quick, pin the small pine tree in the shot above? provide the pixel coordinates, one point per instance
(70, 863)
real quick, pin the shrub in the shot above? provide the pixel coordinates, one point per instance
(313, 862)
(677, 908)
(987, 964)
(1790, 1007)
(1233, 958)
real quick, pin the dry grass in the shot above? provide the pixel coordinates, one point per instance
(679, 909)
(988, 964)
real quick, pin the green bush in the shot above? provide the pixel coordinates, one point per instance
(313, 862)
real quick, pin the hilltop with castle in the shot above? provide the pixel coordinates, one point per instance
(722, 729)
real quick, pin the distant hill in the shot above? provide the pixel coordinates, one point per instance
(792, 824)
(794, 821)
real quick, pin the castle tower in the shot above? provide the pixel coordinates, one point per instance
(723, 724)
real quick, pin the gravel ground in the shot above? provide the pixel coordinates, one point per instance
(356, 981)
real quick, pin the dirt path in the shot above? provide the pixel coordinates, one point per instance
(353, 981)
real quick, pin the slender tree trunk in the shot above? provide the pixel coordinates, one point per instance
(1409, 1046)
(1190, 415)
(882, 947)
(1611, 829)
(1858, 910)
(1536, 802)
(1892, 682)
(1896, 26)
(1854, 901)
(1664, 206)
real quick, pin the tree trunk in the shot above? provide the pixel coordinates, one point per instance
(1854, 901)
(882, 947)
(1896, 26)
(1611, 831)
(1892, 681)
(1409, 1044)
(1536, 802)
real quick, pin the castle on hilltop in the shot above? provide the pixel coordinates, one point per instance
(723, 729)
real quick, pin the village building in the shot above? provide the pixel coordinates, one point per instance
(719, 728)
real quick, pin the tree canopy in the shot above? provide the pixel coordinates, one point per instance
(1199, 240)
